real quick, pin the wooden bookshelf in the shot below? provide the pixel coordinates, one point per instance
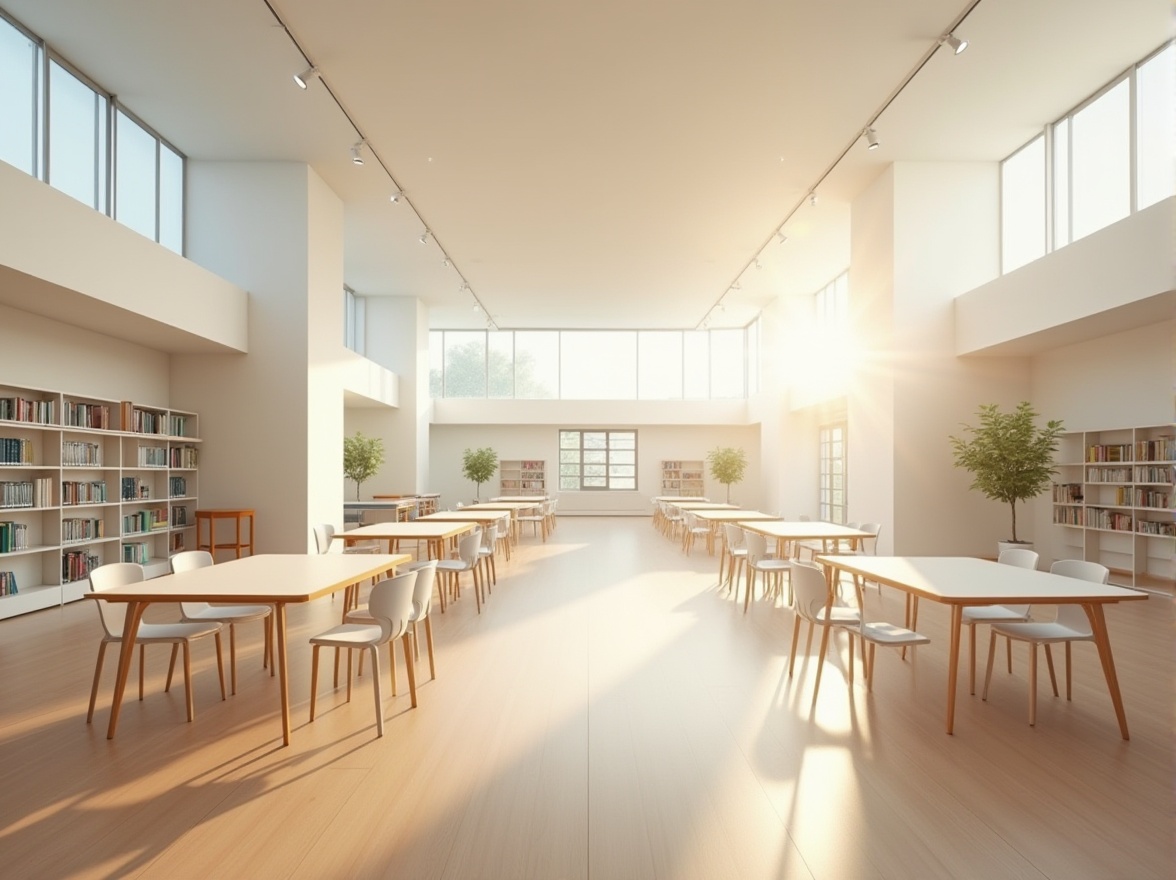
(526, 477)
(86, 481)
(1113, 503)
(682, 477)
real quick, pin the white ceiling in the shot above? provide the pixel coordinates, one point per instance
(603, 163)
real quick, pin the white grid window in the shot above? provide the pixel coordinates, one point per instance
(596, 461)
(832, 474)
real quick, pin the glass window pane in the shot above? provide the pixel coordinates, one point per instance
(594, 440)
(501, 364)
(171, 199)
(1155, 114)
(598, 365)
(72, 136)
(1022, 206)
(1101, 161)
(623, 456)
(726, 358)
(659, 364)
(1061, 184)
(753, 365)
(134, 176)
(19, 78)
(621, 483)
(569, 440)
(436, 361)
(536, 360)
(595, 456)
(696, 365)
(569, 484)
(465, 363)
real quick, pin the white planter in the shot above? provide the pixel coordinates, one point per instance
(1001, 546)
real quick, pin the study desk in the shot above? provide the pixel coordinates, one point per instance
(960, 581)
(534, 499)
(266, 579)
(435, 532)
(673, 499)
(512, 506)
(715, 518)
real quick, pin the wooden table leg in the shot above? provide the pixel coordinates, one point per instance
(831, 575)
(1102, 640)
(953, 663)
(283, 671)
(126, 652)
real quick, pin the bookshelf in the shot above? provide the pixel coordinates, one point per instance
(680, 477)
(1113, 503)
(86, 481)
(524, 477)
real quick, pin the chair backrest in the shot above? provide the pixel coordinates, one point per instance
(734, 535)
(870, 545)
(190, 559)
(1074, 616)
(810, 592)
(757, 546)
(324, 533)
(467, 546)
(1018, 556)
(114, 574)
(489, 536)
(422, 591)
(390, 603)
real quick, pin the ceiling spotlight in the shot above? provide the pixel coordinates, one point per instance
(303, 79)
(782, 236)
(464, 287)
(871, 139)
(356, 155)
(424, 239)
(445, 263)
(955, 42)
(396, 196)
(758, 264)
(736, 286)
(477, 307)
(813, 199)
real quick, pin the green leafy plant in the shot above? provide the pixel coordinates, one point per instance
(479, 465)
(1009, 457)
(362, 457)
(727, 464)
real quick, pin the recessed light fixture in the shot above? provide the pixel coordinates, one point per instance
(782, 235)
(957, 45)
(871, 139)
(758, 264)
(356, 155)
(396, 196)
(303, 79)
(424, 239)
(813, 199)
(445, 263)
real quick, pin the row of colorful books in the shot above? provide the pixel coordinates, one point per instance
(8, 583)
(13, 536)
(18, 409)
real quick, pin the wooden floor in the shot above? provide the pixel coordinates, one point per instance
(610, 714)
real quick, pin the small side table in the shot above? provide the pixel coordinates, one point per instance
(209, 518)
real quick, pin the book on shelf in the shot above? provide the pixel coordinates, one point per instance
(135, 489)
(73, 493)
(13, 536)
(142, 421)
(185, 457)
(80, 453)
(16, 450)
(153, 456)
(74, 529)
(27, 493)
(136, 551)
(8, 583)
(20, 409)
(87, 415)
(77, 564)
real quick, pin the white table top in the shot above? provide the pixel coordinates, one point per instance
(671, 499)
(421, 529)
(264, 579)
(479, 516)
(795, 530)
(965, 580)
(696, 505)
(728, 515)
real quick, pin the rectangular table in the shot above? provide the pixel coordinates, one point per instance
(512, 506)
(267, 579)
(960, 581)
(435, 532)
(715, 518)
(519, 498)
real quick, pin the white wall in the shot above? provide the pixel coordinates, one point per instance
(654, 443)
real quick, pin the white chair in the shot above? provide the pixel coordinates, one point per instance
(692, 530)
(422, 600)
(487, 551)
(734, 554)
(759, 562)
(201, 612)
(113, 617)
(467, 560)
(810, 600)
(390, 607)
(974, 614)
(815, 546)
(671, 519)
(549, 511)
(1070, 625)
(537, 518)
(501, 528)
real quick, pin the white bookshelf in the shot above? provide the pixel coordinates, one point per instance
(83, 488)
(682, 477)
(1113, 503)
(525, 477)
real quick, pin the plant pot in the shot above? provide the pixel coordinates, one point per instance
(1001, 546)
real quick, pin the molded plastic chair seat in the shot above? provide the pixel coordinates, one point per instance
(390, 607)
(759, 562)
(734, 554)
(195, 612)
(693, 530)
(468, 559)
(113, 617)
(974, 614)
(1070, 625)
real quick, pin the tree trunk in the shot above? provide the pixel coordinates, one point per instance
(1013, 505)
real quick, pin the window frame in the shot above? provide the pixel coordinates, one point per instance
(827, 509)
(608, 464)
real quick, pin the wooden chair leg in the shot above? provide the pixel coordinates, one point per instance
(232, 656)
(392, 663)
(795, 639)
(1032, 684)
(97, 677)
(411, 669)
(972, 660)
(377, 689)
(143, 663)
(429, 645)
(1009, 653)
(1053, 680)
(349, 653)
(188, 681)
(991, 655)
(220, 664)
(870, 671)
(1067, 670)
(314, 678)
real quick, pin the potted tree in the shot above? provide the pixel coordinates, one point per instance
(727, 464)
(479, 465)
(1009, 457)
(362, 457)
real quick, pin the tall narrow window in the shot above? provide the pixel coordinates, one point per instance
(1100, 169)
(135, 169)
(1155, 128)
(1022, 206)
(597, 460)
(20, 83)
(831, 473)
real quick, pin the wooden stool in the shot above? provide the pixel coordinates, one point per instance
(209, 518)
